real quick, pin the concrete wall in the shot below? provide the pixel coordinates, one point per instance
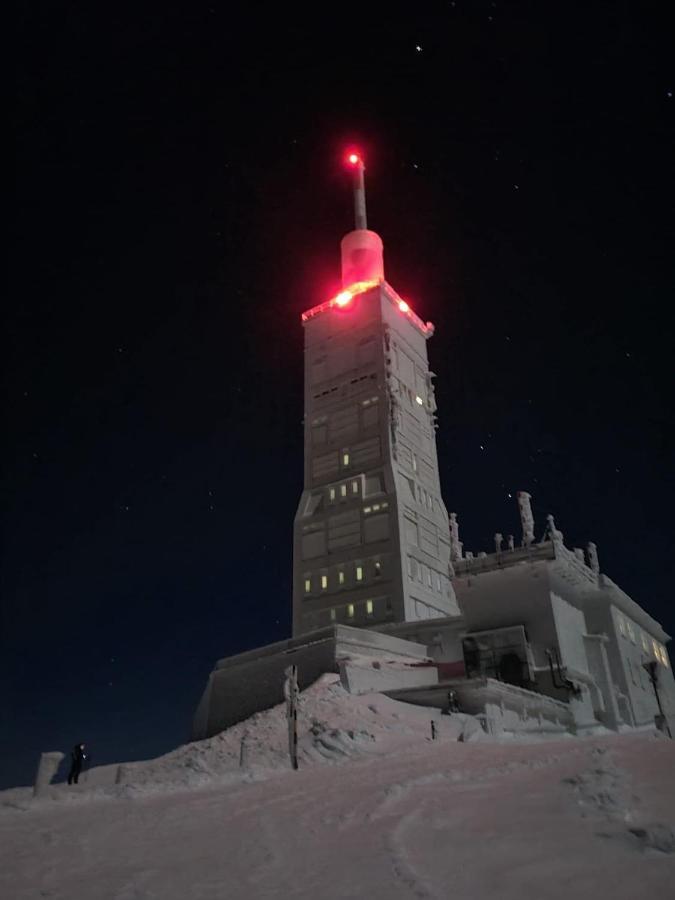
(361, 679)
(242, 685)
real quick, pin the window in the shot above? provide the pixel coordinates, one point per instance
(622, 625)
(350, 610)
(308, 585)
(359, 573)
(378, 569)
(332, 615)
(355, 487)
(630, 631)
(345, 457)
(645, 642)
(343, 490)
(414, 462)
(369, 607)
(419, 400)
(324, 582)
(332, 493)
(341, 577)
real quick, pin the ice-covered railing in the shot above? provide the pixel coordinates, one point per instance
(486, 562)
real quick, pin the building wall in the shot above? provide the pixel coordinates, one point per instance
(371, 535)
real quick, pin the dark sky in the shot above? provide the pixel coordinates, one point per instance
(180, 201)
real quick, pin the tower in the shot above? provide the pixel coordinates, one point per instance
(371, 536)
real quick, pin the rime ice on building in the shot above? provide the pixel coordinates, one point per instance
(371, 537)
(530, 637)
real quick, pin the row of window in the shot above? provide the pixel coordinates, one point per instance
(344, 490)
(338, 577)
(630, 631)
(425, 575)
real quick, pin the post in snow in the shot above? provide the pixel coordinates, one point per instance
(291, 694)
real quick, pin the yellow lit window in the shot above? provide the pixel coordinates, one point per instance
(419, 400)
(369, 607)
(308, 585)
(341, 577)
(324, 582)
(355, 487)
(345, 458)
(359, 573)
(367, 509)
(343, 490)
(350, 611)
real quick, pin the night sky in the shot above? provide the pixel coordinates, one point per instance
(180, 201)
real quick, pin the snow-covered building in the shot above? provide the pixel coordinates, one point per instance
(371, 511)
(383, 591)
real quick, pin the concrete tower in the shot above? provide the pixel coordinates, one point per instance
(371, 534)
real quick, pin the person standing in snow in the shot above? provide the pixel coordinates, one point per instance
(78, 756)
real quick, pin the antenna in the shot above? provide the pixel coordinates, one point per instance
(355, 162)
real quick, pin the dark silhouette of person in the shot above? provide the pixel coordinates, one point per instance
(77, 757)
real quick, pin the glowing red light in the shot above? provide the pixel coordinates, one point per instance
(403, 306)
(343, 298)
(353, 158)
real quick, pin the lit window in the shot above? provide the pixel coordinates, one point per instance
(332, 493)
(332, 615)
(324, 582)
(367, 509)
(384, 505)
(376, 506)
(378, 568)
(359, 573)
(350, 611)
(369, 607)
(664, 656)
(345, 458)
(655, 647)
(343, 490)
(308, 585)
(341, 577)
(419, 400)
(355, 487)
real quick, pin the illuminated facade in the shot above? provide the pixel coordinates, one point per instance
(371, 535)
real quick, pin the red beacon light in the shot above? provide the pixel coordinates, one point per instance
(343, 298)
(403, 306)
(354, 159)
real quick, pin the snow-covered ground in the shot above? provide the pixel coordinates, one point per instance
(376, 810)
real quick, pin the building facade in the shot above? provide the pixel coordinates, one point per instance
(371, 534)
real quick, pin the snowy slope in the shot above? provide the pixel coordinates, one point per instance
(376, 810)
